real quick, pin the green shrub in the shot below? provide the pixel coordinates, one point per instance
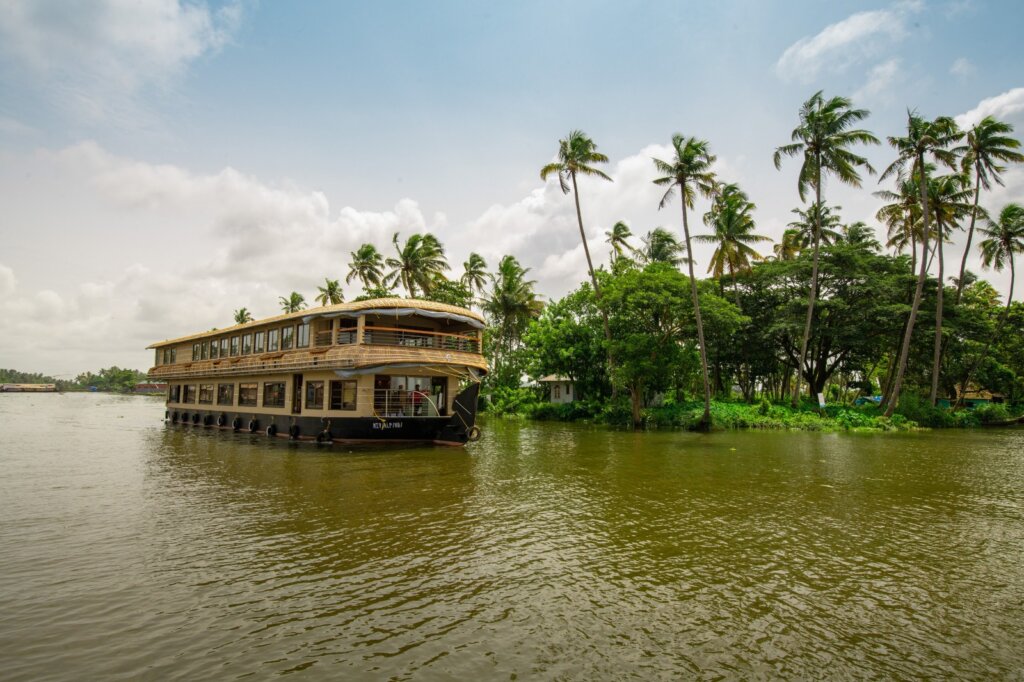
(991, 413)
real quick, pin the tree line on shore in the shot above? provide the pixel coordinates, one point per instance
(824, 311)
(111, 379)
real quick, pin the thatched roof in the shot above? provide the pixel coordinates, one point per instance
(324, 310)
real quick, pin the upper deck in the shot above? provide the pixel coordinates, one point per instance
(378, 332)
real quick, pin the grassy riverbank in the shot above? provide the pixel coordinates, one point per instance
(913, 414)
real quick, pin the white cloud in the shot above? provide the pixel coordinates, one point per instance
(962, 68)
(855, 39)
(1004, 106)
(881, 79)
(96, 56)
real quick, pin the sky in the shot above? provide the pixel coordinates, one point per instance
(164, 163)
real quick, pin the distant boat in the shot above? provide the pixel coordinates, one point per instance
(28, 388)
(380, 370)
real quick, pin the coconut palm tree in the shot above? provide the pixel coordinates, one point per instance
(824, 138)
(988, 144)
(618, 238)
(822, 219)
(902, 217)
(860, 233)
(293, 303)
(730, 218)
(577, 155)
(243, 316)
(690, 172)
(367, 266)
(923, 139)
(510, 306)
(474, 275)
(949, 201)
(420, 262)
(789, 246)
(1003, 241)
(330, 293)
(661, 246)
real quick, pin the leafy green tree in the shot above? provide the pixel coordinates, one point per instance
(733, 223)
(375, 293)
(293, 303)
(988, 144)
(511, 306)
(367, 265)
(824, 137)
(661, 246)
(419, 263)
(450, 292)
(618, 238)
(474, 276)
(330, 293)
(923, 139)
(1004, 239)
(243, 316)
(577, 155)
(690, 172)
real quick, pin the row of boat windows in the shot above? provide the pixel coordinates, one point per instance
(339, 395)
(281, 338)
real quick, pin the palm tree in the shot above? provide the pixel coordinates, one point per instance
(510, 306)
(293, 303)
(789, 246)
(817, 218)
(577, 155)
(823, 138)
(330, 293)
(661, 246)
(902, 217)
(420, 262)
(988, 143)
(618, 238)
(474, 275)
(243, 316)
(949, 201)
(1003, 241)
(691, 172)
(366, 266)
(923, 138)
(730, 218)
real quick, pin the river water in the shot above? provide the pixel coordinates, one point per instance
(130, 550)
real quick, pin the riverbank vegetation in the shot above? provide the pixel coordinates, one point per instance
(881, 333)
(108, 380)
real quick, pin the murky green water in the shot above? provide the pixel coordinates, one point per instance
(131, 551)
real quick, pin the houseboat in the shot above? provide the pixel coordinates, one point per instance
(378, 370)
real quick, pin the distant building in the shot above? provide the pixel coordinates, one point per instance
(28, 388)
(560, 389)
(151, 389)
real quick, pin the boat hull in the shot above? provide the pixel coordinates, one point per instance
(455, 429)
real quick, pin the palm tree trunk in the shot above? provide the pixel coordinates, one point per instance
(901, 367)
(814, 291)
(705, 422)
(988, 344)
(937, 357)
(970, 235)
(593, 279)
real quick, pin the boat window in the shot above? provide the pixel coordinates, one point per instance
(205, 394)
(225, 394)
(174, 355)
(223, 347)
(314, 395)
(247, 394)
(159, 355)
(176, 393)
(234, 345)
(247, 344)
(204, 350)
(302, 337)
(343, 395)
(258, 343)
(287, 335)
(273, 394)
(213, 350)
(190, 393)
(195, 352)
(272, 337)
